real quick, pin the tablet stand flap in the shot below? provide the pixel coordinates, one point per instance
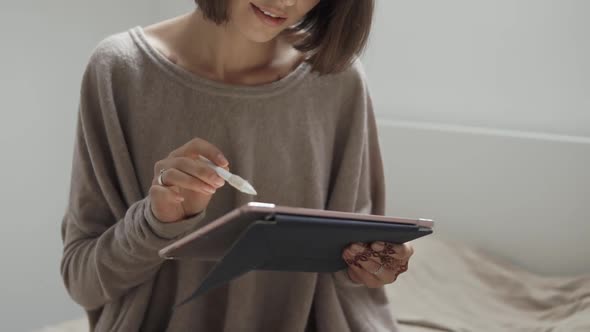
(248, 252)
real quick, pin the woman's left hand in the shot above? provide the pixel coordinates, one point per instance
(376, 264)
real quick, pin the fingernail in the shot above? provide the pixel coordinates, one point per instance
(180, 198)
(219, 182)
(348, 254)
(221, 159)
(210, 190)
(356, 248)
(378, 246)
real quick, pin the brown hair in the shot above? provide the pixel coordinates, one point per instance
(332, 35)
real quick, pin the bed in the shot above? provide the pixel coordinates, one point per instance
(455, 287)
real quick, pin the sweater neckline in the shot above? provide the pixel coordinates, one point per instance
(195, 81)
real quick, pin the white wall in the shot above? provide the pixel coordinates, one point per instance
(45, 46)
(507, 64)
(165, 8)
(522, 197)
(504, 64)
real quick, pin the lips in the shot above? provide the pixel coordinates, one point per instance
(268, 16)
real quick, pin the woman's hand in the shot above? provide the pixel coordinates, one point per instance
(377, 264)
(187, 183)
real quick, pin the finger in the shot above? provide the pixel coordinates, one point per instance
(207, 174)
(201, 170)
(380, 250)
(383, 247)
(377, 270)
(369, 264)
(389, 277)
(386, 276)
(353, 276)
(390, 263)
(365, 277)
(198, 169)
(378, 246)
(371, 261)
(164, 194)
(199, 146)
(403, 267)
(175, 177)
(392, 255)
(365, 252)
(348, 257)
(358, 248)
(402, 251)
(359, 251)
(397, 251)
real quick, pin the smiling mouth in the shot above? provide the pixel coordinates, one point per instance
(268, 17)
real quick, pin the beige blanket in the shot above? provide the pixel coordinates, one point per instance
(451, 287)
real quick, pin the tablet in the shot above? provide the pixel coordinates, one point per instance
(211, 241)
(262, 236)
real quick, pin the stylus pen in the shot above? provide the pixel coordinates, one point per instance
(234, 180)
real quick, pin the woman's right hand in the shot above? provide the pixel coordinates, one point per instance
(188, 182)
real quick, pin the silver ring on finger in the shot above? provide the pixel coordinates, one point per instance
(379, 270)
(160, 177)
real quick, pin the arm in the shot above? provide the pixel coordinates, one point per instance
(369, 196)
(110, 234)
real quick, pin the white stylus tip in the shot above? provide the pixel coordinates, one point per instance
(234, 180)
(242, 185)
(248, 189)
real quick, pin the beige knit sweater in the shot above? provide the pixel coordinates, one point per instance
(305, 140)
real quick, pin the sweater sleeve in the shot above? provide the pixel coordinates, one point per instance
(111, 238)
(359, 179)
(370, 197)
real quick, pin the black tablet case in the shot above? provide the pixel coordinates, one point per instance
(300, 243)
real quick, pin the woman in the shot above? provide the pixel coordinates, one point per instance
(269, 89)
